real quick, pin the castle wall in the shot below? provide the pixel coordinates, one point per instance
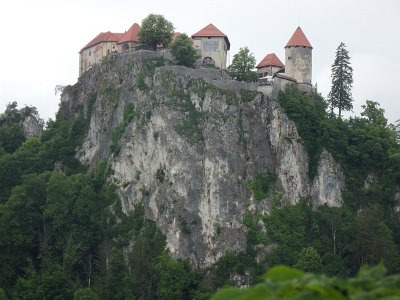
(298, 63)
(218, 54)
(94, 55)
(268, 69)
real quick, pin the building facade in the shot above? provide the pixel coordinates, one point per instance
(104, 44)
(270, 65)
(213, 46)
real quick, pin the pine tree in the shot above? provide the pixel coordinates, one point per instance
(342, 79)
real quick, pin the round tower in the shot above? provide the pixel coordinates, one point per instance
(298, 58)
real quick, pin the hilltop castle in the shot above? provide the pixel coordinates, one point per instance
(211, 43)
(273, 75)
(213, 46)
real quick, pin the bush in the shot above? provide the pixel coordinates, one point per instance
(183, 51)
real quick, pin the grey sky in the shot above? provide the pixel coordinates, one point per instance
(42, 38)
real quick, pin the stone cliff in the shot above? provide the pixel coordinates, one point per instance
(186, 142)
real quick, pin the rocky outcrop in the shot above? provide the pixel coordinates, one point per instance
(31, 126)
(328, 183)
(185, 142)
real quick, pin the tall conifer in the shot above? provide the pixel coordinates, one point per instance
(342, 79)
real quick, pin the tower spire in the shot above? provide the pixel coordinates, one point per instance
(298, 39)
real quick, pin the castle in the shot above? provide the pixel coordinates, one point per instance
(213, 46)
(273, 75)
(211, 43)
(104, 44)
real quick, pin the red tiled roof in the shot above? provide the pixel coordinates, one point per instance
(211, 31)
(270, 60)
(103, 37)
(298, 39)
(131, 35)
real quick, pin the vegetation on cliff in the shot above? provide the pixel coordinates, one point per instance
(63, 233)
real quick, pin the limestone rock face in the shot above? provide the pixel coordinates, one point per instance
(31, 126)
(328, 183)
(188, 144)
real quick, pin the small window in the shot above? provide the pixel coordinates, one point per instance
(289, 58)
(90, 53)
(260, 75)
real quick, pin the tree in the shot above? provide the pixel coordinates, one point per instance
(309, 261)
(183, 50)
(374, 113)
(156, 30)
(242, 65)
(342, 79)
(85, 294)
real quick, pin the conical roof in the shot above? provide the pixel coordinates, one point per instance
(298, 39)
(270, 60)
(211, 31)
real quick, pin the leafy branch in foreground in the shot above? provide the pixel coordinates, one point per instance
(282, 282)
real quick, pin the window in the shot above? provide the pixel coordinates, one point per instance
(90, 53)
(210, 46)
(125, 47)
(289, 58)
(208, 61)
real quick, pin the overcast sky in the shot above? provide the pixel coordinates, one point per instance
(41, 40)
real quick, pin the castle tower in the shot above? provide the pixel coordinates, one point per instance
(298, 58)
(269, 66)
(213, 46)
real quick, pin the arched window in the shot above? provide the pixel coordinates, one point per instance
(208, 61)
(125, 47)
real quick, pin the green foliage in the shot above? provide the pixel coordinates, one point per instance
(281, 282)
(128, 115)
(183, 51)
(11, 137)
(85, 294)
(11, 130)
(141, 82)
(190, 126)
(111, 92)
(308, 112)
(261, 184)
(3, 295)
(156, 30)
(342, 80)
(247, 95)
(242, 65)
(287, 226)
(160, 174)
(309, 261)
(175, 280)
(230, 263)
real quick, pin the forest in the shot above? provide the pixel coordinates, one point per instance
(63, 234)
